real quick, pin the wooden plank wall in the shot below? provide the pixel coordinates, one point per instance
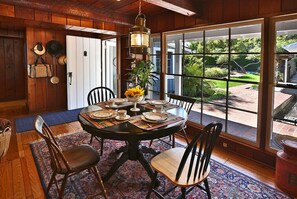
(42, 94)
(221, 11)
(42, 26)
(33, 17)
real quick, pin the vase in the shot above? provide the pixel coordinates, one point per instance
(135, 100)
(142, 101)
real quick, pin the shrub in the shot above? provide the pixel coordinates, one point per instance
(216, 72)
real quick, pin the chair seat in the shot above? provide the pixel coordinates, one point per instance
(167, 163)
(80, 158)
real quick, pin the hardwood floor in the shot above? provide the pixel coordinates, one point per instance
(19, 177)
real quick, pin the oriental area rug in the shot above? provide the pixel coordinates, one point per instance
(131, 181)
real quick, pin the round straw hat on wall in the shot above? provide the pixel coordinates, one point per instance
(62, 59)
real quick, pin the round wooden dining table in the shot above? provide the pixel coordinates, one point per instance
(132, 135)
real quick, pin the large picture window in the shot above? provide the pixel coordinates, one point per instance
(284, 119)
(220, 67)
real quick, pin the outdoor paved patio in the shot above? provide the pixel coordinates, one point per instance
(242, 124)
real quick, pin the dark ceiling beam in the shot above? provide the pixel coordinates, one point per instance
(78, 9)
(184, 7)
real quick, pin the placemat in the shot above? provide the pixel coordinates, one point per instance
(137, 121)
(165, 107)
(100, 124)
(125, 104)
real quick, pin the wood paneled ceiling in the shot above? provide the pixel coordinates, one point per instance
(119, 12)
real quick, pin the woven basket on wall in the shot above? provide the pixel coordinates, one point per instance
(5, 133)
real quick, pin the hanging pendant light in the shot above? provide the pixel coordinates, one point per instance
(139, 35)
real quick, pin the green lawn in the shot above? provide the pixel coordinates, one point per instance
(246, 77)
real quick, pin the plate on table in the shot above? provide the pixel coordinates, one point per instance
(119, 101)
(103, 114)
(152, 121)
(158, 102)
(142, 102)
(114, 106)
(154, 117)
(122, 118)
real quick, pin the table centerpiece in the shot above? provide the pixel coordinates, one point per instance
(134, 95)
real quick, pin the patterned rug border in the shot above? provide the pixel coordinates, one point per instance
(42, 180)
(44, 186)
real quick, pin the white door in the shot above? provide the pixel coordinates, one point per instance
(83, 69)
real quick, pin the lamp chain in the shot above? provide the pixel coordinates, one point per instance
(139, 12)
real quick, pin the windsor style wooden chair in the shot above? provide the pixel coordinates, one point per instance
(185, 102)
(96, 95)
(70, 161)
(187, 167)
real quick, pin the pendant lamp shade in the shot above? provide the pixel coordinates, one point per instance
(139, 35)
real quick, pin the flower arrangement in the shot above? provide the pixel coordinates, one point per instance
(134, 92)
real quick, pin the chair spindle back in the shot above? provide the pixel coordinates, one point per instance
(58, 160)
(100, 94)
(182, 101)
(199, 160)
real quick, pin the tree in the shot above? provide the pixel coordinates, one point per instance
(243, 61)
(249, 48)
(216, 64)
(219, 48)
(284, 40)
